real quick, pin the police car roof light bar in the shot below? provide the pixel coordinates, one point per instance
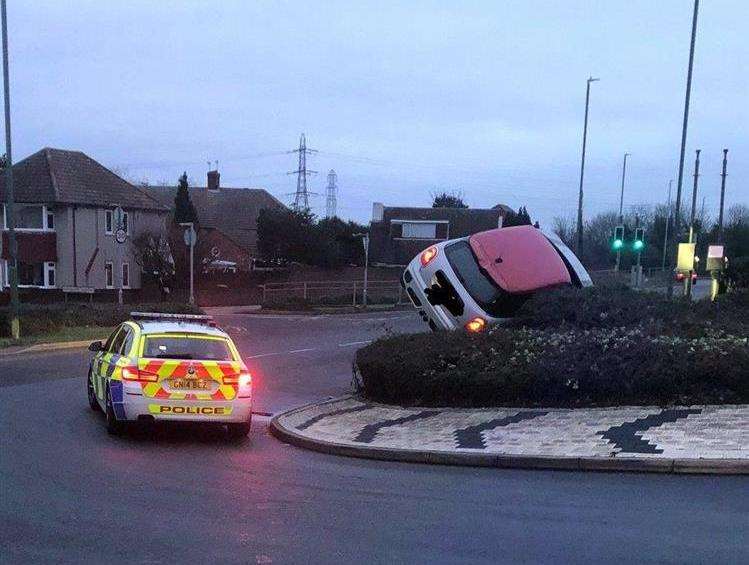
(197, 318)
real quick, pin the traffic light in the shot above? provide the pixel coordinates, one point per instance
(639, 242)
(618, 241)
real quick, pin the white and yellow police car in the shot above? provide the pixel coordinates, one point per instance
(170, 367)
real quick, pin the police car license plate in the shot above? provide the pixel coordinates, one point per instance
(190, 384)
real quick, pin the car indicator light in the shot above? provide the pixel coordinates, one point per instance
(476, 325)
(428, 255)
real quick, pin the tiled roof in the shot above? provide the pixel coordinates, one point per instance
(72, 177)
(233, 211)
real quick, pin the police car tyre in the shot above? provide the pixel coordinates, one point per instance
(92, 401)
(114, 426)
(238, 431)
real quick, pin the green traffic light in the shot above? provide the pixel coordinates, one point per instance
(638, 245)
(618, 243)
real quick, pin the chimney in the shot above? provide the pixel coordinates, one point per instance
(378, 211)
(213, 180)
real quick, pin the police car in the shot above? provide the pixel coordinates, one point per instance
(475, 281)
(170, 367)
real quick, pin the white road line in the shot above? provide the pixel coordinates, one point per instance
(354, 343)
(278, 353)
(301, 350)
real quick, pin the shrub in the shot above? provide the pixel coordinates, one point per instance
(737, 273)
(610, 346)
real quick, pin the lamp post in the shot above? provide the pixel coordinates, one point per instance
(15, 325)
(668, 221)
(365, 242)
(621, 208)
(582, 171)
(677, 209)
(190, 238)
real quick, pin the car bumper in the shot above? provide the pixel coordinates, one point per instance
(134, 405)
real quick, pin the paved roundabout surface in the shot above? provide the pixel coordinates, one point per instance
(73, 494)
(688, 439)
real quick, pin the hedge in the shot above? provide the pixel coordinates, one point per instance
(599, 353)
(43, 319)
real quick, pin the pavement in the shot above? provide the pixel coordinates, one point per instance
(688, 439)
(70, 493)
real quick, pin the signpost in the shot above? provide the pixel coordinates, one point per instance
(365, 242)
(120, 237)
(191, 238)
(716, 262)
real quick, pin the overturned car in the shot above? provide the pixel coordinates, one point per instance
(482, 279)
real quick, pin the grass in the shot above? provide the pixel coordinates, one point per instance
(72, 333)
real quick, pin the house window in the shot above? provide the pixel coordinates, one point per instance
(50, 274)
(109, 274)
(126, 222)
(30, 217)
(125, 275)
(108, 221)
(419, 230)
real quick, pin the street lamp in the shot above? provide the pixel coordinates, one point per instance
(15, 325)
(190, 238)
(365, 242)
(582, 171)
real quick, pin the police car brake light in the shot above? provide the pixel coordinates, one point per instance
(428, 255)
(243, 378)
(134, 374)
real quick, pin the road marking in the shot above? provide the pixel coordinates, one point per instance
(354, 343)
(279, 353)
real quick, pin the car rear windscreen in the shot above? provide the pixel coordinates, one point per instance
(183, 347)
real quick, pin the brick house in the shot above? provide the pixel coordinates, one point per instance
(227, 217)
(64, 216)
(397, 234)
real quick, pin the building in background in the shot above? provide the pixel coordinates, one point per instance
(227, 218)
(397, 234)
(64, 215)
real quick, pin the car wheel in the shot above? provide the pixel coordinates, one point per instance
(238, 431)
(114, 426)
(92, 401)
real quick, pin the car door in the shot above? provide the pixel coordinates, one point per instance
(108, 358)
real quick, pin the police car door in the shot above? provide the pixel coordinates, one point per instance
(108, 359)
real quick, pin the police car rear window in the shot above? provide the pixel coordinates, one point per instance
(181, 347)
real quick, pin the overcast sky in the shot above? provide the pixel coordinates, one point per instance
(400, 98)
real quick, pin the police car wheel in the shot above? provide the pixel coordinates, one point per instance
(92, 402)
(238, 431)
(114, 426)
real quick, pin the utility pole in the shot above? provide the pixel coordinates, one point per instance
(190, 239)
(688, 283)
(621, 209)
(301, 197)
(722, 195)
(582, 172)
(365, 242)
(331, 200)
(684, 137)
(15, 324)
(668, 221)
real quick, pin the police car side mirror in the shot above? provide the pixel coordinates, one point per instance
(96, 346)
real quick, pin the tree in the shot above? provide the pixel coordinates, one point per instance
(3, 161)
(153, 255)
(519, 218)
(184, 210)
(452, 199)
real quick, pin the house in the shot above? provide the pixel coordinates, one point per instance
(398, 234)
(65, 224)
(227, 218)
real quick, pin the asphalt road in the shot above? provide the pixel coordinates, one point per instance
(71, 493)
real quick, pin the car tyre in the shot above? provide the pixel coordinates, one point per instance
(239, 431)
(114, 426)
(92, 401)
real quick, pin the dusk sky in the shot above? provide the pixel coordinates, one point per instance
(400, 98)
